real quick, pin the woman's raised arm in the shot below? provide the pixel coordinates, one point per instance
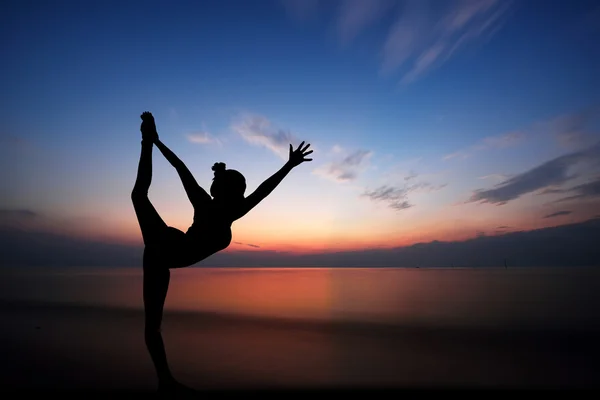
(195, 192)
(297, 157)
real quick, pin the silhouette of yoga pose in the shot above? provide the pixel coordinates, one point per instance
(167, 247)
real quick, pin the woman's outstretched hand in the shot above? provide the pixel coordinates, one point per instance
(298, 156)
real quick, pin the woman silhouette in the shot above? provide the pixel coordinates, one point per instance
(167, 247)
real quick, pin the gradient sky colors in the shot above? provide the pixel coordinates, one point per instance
(429, 119)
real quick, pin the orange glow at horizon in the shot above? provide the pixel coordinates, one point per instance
(330, 233)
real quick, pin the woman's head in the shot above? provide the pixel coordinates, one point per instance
(228, 184)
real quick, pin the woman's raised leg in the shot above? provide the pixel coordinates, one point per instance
(151, 224)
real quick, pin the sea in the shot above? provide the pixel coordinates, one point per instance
(303, 328)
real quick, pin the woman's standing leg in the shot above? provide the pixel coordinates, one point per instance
(156, 285)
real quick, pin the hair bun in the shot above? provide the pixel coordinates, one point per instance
(219, 168)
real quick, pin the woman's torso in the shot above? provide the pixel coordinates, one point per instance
(210, 232)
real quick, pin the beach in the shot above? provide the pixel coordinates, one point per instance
(85, 347)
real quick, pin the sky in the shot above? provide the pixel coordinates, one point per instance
(429, 120)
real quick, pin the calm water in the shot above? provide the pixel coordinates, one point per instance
(60, 346)
(528, 297)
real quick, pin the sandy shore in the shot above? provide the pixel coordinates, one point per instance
(55, 347)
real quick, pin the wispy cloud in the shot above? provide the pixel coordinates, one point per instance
(558, 214)
(248, 244)
(202, 138)
(571, 129)
(411, 176)
(337, 149)
(551, 190)
(495, 176)
(356, 15)
(424, 37)
(258, 130)
(346, 169)
(396, 197)
(549, 174)
(491, 142)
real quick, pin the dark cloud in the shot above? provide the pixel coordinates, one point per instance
(558, 214)
(589, 190)
(551, 173)
(25, 248)
(23, 213)
(503, 227)
(397, 197)
(566, 245)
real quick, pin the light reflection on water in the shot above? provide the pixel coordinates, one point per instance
(484, 297)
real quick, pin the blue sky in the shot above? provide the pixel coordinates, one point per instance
(411, 107)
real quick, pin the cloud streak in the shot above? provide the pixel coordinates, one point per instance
(201, 138)
(424, 37)
(397, 197)
(551, 173)
(346, 169)
(488, 143)
(248, 244)
(558, 214)
(259, 131)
